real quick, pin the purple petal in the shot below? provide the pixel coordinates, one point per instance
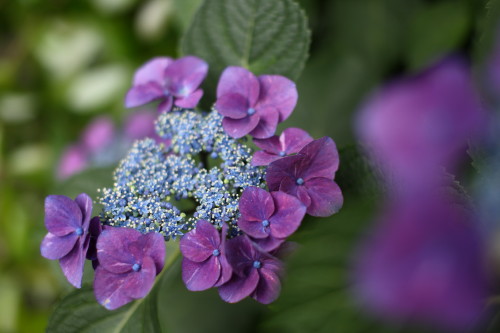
(138, 284)
(54, 247)
(267, 124)
(190, 101)
(143, 94)
(95, 230)
(233, 105)
(287, 216)
(238, 287)
(152, 71)
(278, 92)
(184, 75)
(226, 271)
(140, 124)
(289, 185)
(281, 169)
(72, 264)
(294, 139)
(109, 288)
(268, 288)
(237, 128)
(199, 276)
(326, 197)
(154, 247)
(62, 215)
(261, 158)
(256, 204)
(238, 80)
(270, 145)
(98, 134)
(322, 159)
(304, 196)
(269, 243)
(85, 203)
(253, 228)
(198, 244)
(240, 253)
(166, 104)
(73, 160)
(113, 249)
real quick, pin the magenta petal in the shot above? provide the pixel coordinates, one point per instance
(256, 204)
(152, 71)
(72, 264)
(278, 92)
(269, 244)
(289, 185)
(303, 196)
(226, 271)
(198, 276)
(184, 75)
(253, 228)
(238, 287)
(108, 288)
(326, 197)
(85, 203)
(261, 158)
(322, 159)
(98, 134)
(73, 160)
(287, 216)
(294, 139)
(240, 252)
(281, 169)
(138, 284)
(166, 104)
(190, 101)
(237, 128)
(143, 94)
(267, 124)
(238, 80)
(62, 215)
(270, 145)
(232, 105)
(198, 244)
(113, 249)
(54, 247)
(140, 124)
(154, 247)
(268, 288)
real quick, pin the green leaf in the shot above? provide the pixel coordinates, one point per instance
(264, 36)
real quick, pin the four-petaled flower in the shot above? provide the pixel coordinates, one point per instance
(254, 105)
(269, 218)
(291, 141)
(128, 264)
(255, 273)
(172, 82)
(309, 176)
(204, 263)
(68, 239)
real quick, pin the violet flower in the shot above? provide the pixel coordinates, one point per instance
(309, 176)
(269, 218)
(68, 239)
(73, 160)
(254, 105)
(172, 82)
(98, 134)
(291, 141)
(423, 263)
(204, 263)
(255, 273)
(128, 264)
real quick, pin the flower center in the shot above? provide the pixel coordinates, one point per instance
(257, 264)
(136, 267)
(250, 111)
(265, 223)
(216, 253)
(282, 153)
(79, 231)
(299, 181)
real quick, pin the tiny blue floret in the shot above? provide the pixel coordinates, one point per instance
(257, 264)
(216, 253)
(79, 231)
(299, 181)
(136, 267)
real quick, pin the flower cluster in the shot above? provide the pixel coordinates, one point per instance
(231, 207)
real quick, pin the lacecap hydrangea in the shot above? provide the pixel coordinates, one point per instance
(231, 207)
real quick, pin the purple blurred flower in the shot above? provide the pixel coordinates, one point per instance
(255, 273)
(204, 264)
(419, 124)
(172, 82)
(291, 141)
(98, 134)
(423, 263)
(73, 160)
(269, 218)
(254, 105)
(68, 239)
(309, 176)
(140, 124)
(128, 264)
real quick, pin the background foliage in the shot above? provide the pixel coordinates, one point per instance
(64, 62)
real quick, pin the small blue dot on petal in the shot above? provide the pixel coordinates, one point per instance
(282, 153)
(216, 253)
(250, 111)
(257, 264)
(299, 181)
(265, 223)
(136, 267)
(79, 231)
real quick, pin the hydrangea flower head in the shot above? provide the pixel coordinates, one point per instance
(68, 223)
(172, 82)
(254, 105)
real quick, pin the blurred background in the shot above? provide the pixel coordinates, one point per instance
(64, 63)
